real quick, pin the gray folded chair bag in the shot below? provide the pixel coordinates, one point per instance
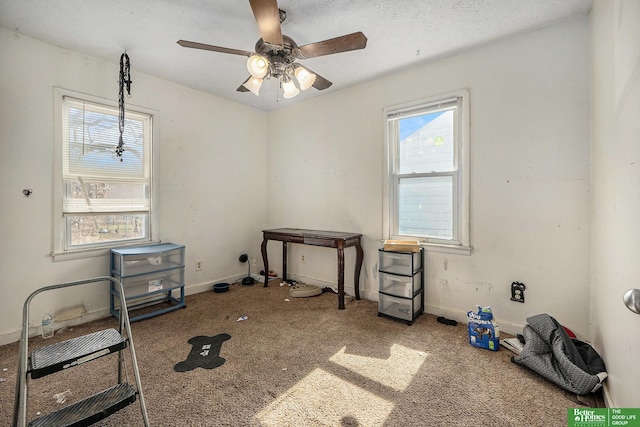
(570, 363)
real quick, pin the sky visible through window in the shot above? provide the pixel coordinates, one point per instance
(411, 124)
(425, 203)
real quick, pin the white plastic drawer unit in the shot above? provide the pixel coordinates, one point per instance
(402, 286)
(400, 308)
(153, 283)
(149, 274)
(404, 263)
(135, 262)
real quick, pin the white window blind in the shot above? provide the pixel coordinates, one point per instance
(105, 198)
(417, 110)
(90, 134)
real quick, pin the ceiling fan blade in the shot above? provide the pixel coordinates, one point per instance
(241, 88)
(321, 83)
(353, 41)
(268, 18)
(196, 45)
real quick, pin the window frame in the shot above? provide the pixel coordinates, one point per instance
(60, 249)
(460, 243)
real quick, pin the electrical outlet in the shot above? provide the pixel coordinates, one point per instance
(517, 292)
(253, 261)
(302, 258)
(198, 265)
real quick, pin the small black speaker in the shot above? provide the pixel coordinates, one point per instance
(247, 281)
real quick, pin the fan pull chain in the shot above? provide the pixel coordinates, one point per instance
(125, 79)
(279, 89)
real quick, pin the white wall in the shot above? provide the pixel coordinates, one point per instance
(530, 217)
(211, 176)
(530, 185)
(616, 198)
(530, 180)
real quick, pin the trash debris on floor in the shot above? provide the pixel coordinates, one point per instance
(304, 291)
(512, 344)
(62, 397)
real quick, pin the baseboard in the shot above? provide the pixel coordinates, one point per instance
(458, 315)
(348, 290)
(461, 316)
(34, 330)
(196, 288)
(606, 396)
(14, 336)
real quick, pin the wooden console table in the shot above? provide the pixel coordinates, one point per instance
(328, 239)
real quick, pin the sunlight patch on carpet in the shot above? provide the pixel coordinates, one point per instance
(396, 372)
(321, 398)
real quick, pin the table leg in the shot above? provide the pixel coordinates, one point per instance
(341, 278)
(356, 279)
(284, 261)
(265, 261)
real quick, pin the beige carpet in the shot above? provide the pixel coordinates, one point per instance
(302, 362)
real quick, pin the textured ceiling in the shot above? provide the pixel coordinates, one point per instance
(400, 33)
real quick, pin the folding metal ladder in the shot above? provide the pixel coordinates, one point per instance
(65, 355)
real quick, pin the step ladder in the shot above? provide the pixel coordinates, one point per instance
(67, 354)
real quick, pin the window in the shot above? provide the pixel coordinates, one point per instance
(102, 200)
(427, 184)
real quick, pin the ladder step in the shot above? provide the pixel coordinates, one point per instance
(90, 410)
(66, 354)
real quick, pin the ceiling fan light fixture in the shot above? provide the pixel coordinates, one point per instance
(258, 66)
(275, 53)
(253, 84)
(305, 78)
(289, 88)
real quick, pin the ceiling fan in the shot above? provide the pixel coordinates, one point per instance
(276, 54)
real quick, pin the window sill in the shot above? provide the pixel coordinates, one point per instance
(447, 249)
(442, 248)
(91, 253)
